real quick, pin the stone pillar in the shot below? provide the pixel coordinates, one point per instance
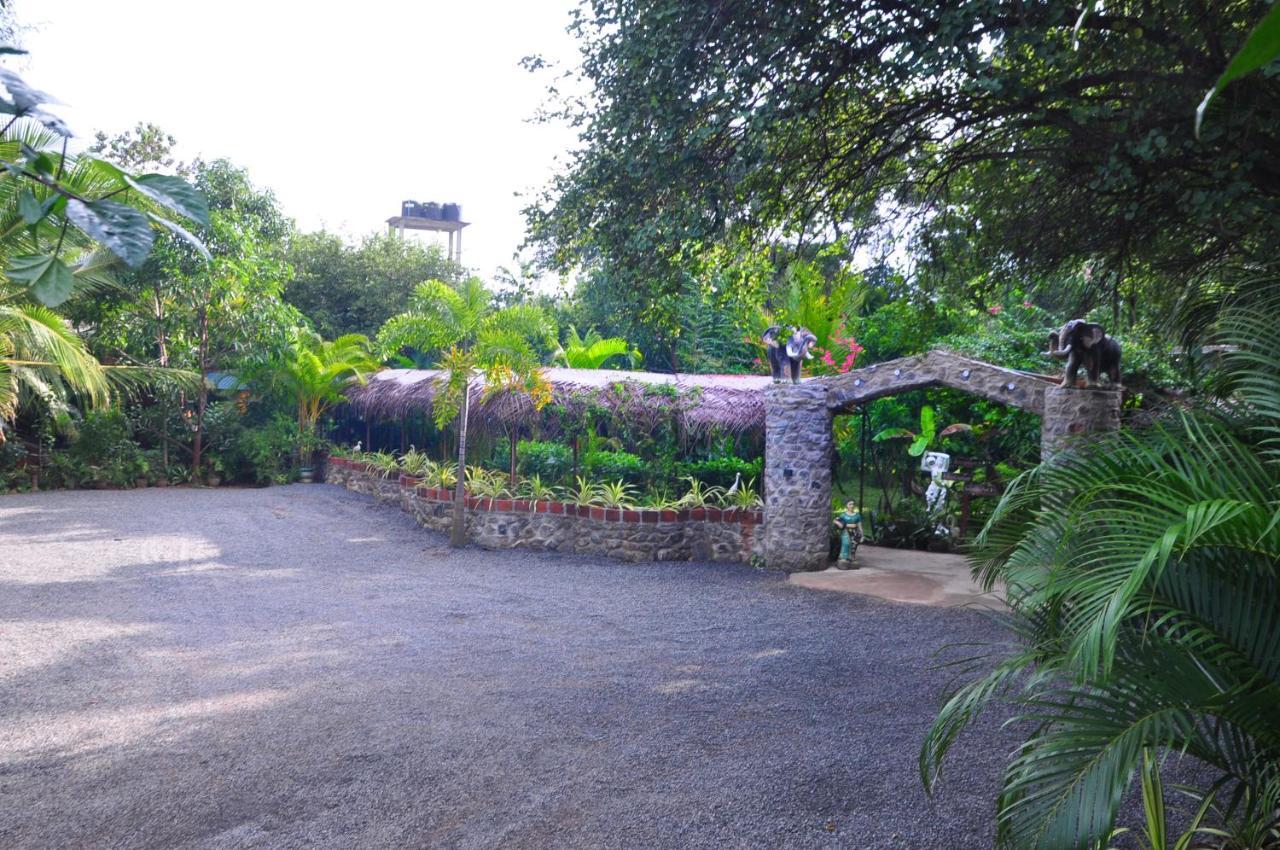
(797, 476)
(1069, 412)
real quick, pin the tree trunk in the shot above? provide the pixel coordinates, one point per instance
(458, 537)
(162, 343)
(202, 397)
(512, 435)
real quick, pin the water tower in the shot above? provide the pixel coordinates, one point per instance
(441, 218)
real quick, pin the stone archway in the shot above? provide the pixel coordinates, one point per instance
(798, 439)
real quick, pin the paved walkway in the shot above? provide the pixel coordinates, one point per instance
(295, 667)
(905, 575)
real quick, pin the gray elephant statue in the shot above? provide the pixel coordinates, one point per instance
(1086, 344)
(787, 355)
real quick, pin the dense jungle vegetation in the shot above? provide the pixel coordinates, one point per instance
(894, 177)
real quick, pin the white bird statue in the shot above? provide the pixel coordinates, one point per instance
(737, 479)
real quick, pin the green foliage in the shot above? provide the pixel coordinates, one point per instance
(346, 288)
(459, 330)
(721, 471)
(1259, 49)
(616, 494)
(764, 123)
(550, 461)
(615, 465)
(313, 372)
(1141, 576)
(265, 454)
(593, 351)
(533, 489)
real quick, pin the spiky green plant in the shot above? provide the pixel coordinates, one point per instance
(745, 496)
(534, 490)
(1143, 576)
(487, 484)
(584, 492)
(384, 464)
(699, 495)
(617, 494)
(416, 463)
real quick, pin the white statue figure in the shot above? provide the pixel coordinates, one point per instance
(935, 497)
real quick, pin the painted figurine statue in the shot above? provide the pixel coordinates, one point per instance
(849, 523)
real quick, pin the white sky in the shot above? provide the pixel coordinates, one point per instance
(342, 108)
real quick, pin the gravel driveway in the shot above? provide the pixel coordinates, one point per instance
(296, 667)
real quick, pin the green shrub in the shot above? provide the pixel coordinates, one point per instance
(615, 466)
(265, 454)
(102, 453)
(551, 462)
(721, 471)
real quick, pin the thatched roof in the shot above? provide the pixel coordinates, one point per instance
(697, 402)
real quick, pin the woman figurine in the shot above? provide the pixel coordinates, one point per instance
(849, 524)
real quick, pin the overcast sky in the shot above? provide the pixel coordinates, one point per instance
(342, 108)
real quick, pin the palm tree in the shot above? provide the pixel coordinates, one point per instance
(314, 372)
(1143, 576)
(462, 331)
(593, 351)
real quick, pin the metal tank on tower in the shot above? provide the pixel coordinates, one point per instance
(439, 218)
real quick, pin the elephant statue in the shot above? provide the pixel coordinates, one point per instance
(1086, 344)
(788, 354)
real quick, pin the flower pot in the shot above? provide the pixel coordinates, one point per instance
(306, 474)
(213, 480)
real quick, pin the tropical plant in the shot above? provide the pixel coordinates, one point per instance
(924, 439)
(617, 494)
(313, 372)
(487, 484)
(1156, 833)
(416, 463)
(382, 464)
(584, 492)
(593, 351)
(64, 222)
(742, 495)
(700, 495)
(1141, 574)
(534, 490)
(460, 328)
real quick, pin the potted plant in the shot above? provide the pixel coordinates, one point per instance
(216, 468)
(309, 446)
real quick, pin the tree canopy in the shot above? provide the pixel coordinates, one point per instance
(980, 130)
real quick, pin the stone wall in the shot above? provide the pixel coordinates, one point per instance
(797, 476)
(1070, 413)
(705, 534)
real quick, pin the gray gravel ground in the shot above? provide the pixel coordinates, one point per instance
(296, 667)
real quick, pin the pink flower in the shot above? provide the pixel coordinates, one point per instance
(1026, 304)
(828, 359)
(996, 310)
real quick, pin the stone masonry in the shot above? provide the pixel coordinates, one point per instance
(1070, 412)
(798, 442)
(631, 535)
(797, 476)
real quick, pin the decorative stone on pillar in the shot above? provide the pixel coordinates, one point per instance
(1069, 412)
(797, 476)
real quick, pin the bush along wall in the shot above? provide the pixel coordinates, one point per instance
(649, 534)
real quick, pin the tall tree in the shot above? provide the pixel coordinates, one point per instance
(711, 121)
(462, 332)
(216, 311)
(347, 288)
